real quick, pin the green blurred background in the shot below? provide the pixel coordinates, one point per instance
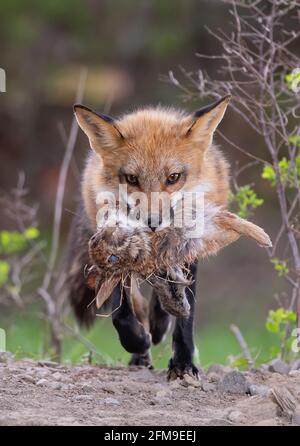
(126, 46)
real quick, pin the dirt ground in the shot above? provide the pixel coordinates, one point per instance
(45, 393)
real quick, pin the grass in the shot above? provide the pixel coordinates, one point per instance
(26, 337)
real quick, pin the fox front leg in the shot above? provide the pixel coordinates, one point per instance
(181, 362)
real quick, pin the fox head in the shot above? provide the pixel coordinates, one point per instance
(151, 150)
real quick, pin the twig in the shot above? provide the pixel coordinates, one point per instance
(62, 183)
(241, 340)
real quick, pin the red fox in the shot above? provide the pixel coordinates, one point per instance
(151, 150)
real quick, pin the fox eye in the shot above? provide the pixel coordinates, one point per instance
(132, 179)
(173, 178)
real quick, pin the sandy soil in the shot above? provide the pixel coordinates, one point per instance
(45, 393)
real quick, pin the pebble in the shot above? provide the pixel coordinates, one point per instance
(55, 386)
(42, 373)
(84, 398)
(213, 377)
(295, 365)
(111, 401)
(260, 390)
(46, 363)
(208, 387)
(57, 376)
(42, 382)
(237, 417)
(6, 357)
(28, 378)
(278, 366)
(294, 373)
(190, 381)
(87, 388)
(219, 369)
(163, 394)
(234, 382)
(175, 384)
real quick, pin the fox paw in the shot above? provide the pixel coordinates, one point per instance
(179, 370)
(142, 360)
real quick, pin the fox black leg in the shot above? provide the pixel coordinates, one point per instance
(159, 320)
(132, 334)
(183, 339)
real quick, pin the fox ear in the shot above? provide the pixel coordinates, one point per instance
(204, 121)
(100, 129)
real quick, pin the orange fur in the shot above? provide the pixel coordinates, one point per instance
(151, 144)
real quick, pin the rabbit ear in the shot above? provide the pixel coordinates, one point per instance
(106, 290)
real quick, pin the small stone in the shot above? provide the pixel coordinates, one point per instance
(42, 382)
(42, 373)
(295, 365)
(111, 401)
(296, 417)
(268, 422)
(190, 381)
(265, 367)
(175, 384)
(237, 417)
(278, 366)
(294, 373)
(260, 390)
(213, 377)
(45, 363)
(57, 376)
(6, 357)
(163, 394)
(234, 382)
(28, 378)
(219, 369)
(208, 387)
(87, 388)
(83, 398)
(55, 386)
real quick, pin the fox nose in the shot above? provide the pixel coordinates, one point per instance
(154, 221)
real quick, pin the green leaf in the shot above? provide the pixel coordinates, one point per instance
(31, 233)
(280, 266)
(246, 200)
(291, 316)
(11, 242)
(293, 79)
(274, 351)
(4, 271)
(239, 362)
(272, 326)
(286, 172)
(295, 140)
(268, 173)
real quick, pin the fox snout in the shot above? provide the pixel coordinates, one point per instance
(154, 221)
